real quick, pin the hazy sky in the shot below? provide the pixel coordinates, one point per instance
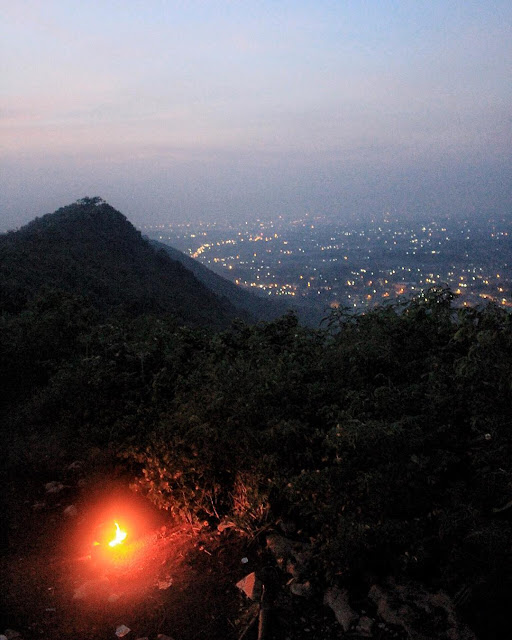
(176, 111)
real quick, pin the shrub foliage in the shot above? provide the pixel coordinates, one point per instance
(386, 436)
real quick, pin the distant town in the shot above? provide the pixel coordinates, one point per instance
(316, 262)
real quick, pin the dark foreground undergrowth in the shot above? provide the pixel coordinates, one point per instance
(386, 437)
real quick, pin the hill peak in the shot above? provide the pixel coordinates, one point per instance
(91, 249)
(92, 210)
(96, 201)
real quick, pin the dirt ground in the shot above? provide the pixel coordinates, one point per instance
(166, 578)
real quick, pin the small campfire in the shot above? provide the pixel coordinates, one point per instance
(119, 537)
(110, 534)
(116, 544)
(126, 550)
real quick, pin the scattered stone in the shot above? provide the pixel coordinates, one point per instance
(337, 600)
(364, 627)
(385, 609)
(53, 487)
(2, 637)
(251, 586)
(113, 597)
(10, 634)
(39, 506)
(245, 560)
(421, 614)
(122, 630)
(165, 583)
(302, 589)
(75, 466)
(71, 511)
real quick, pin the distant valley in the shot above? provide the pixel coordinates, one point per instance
(317, 263)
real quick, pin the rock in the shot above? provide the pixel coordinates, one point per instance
(53, 487)
(71, 511)
(11, 634)
(303, 589)
(164, 583)
(2, 637)
(39, 506)
(422, 615)
(113, 597)
(337, 600)
(386, 609)
(75, 466)
(364, 627)
(122, 630)
(251, 586)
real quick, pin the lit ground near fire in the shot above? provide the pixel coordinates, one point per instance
(164, 579)
(62, 580)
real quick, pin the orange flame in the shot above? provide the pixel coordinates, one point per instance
(119, 537)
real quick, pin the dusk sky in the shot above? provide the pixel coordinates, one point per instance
(177, 111)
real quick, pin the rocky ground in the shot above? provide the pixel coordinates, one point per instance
(172, 580)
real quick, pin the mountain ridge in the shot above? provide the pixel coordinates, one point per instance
(92, 249)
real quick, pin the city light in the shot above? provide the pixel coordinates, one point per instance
(382, 261)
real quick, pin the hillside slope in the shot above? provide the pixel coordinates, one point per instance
(242, 299)
(90, 249)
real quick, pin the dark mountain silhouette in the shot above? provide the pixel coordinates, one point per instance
(90, 249)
